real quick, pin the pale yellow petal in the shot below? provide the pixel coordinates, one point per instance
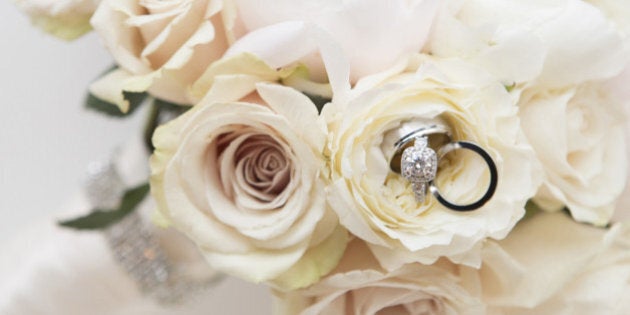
(316, 262)
(239, 64)
(110, 88)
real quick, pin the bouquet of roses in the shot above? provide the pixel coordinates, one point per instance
(381, 157)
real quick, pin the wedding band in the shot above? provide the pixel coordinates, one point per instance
(418, 163)
(421, 132)
(491, 167)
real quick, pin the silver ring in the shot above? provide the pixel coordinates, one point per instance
(492, 167)
(418, 164)
(421, 132)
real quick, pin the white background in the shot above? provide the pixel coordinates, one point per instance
(47, 138)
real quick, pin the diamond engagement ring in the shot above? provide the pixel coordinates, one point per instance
(419, 166)
(418, 162)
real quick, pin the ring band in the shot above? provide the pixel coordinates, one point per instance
(494, 176)
(421, 132)
(418, 163)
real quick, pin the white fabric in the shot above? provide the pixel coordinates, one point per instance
(53, 271)
(49, 270)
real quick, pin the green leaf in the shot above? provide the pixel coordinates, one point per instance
(161, 112)
(531, 209)
(318, 100)
(92, 102)
(135, 100)
(171, 107)
(101, 218)
(511, 87)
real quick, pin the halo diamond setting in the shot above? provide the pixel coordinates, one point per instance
(419, 166)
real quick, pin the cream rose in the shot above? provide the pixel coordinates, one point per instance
(242, 175)
(283, 46)
(378, 205)
(555, 42)
(618, 12)
(578, 134)
(618, 87)
(373, 34)
(359, 286)
(558, 56)
(160, 46)
(551, 264)
(66, 19)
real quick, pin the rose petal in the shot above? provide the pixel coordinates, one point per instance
(284, 44)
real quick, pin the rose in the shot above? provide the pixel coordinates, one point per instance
(242, 175)
(281, 46)
(618, 89)
(378, 205)
(359, 286)
(551, 264)
(373, 34)
(66, 19)
(161, 47)
(617, 11)
(549, 53)
(556, 43)
(578, 134)
(164, 48)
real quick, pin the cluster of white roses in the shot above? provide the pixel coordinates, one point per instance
(271, 190)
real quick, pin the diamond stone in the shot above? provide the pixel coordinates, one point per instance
(419, 166)
(420, 190)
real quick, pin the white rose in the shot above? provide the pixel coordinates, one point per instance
(618, 11)
(378, 205)
(373, 34)
(551, 264)
(161, 46)
(282, 46)
(578, 134)
(359, 286)
(66, 19)
(556, 42)
(242, 175)
(618, 88)
(551, 49)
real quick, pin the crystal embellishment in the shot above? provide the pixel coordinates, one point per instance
(419, 166)
(135, 246)
(138, 251)
(103, 186)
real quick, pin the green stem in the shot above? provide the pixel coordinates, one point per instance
(150, 126)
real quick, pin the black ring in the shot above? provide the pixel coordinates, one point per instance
(494, 177)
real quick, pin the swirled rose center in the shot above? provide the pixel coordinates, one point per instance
(259, 168)
(420, 307)
(263, 166)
